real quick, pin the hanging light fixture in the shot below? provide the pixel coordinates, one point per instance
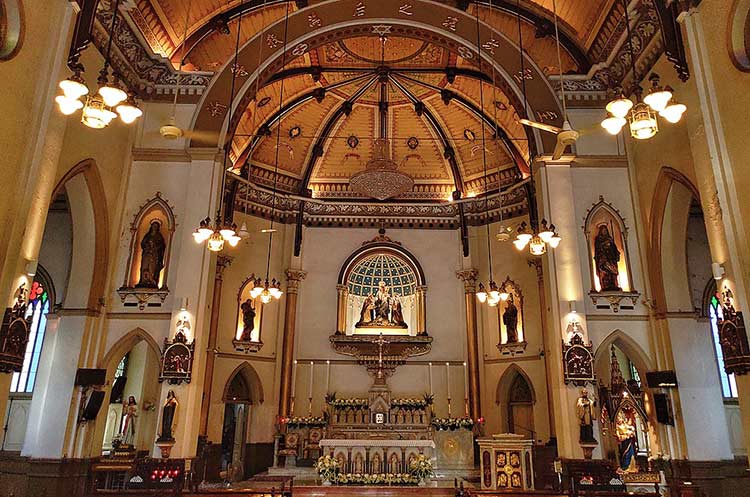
(110, 99)
(641, 115)
(534, 235)
(221, 231)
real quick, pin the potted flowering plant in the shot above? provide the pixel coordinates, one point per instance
(328, 468)
(421, 468)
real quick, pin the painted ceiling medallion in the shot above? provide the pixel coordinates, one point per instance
(352, 141)
(469, 135)
(381, 178)
(412, 142)
(295, 132)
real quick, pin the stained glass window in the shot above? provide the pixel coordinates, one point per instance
(728, 382)
(39, 305)
(364, 278)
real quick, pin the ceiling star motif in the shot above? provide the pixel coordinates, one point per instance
(381, 29)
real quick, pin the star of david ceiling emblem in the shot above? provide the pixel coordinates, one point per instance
(381, 29)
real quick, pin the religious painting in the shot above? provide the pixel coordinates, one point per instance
(177, 360)
(578, 361)
(151, 235)
(247, 333)
(606, 236)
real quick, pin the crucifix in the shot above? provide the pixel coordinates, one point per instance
(380, 341)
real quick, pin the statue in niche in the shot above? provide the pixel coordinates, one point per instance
(606, 257)
(248, 320)
(625, 432)
(510, 320)
(129, 416)
(152, 257)
(168, 418)
(585, 413)
(381, 310)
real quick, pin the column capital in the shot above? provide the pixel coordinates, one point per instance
(469, 277)
(538, 267)
(222, 262)
(293, 279)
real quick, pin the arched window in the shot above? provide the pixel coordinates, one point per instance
(728, 382)
(40, 295)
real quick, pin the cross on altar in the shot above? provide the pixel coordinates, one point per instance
(380, 341)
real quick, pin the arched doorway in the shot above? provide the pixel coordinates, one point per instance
(132, 405)
(240, 393)
(515, 393)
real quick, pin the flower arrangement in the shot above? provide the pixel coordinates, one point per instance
(421, 467)
(412, 404)
(328, 467)
(345, 403)
(443, 424)
(301, 421)
(400, 479)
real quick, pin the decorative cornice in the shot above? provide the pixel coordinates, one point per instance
(160, 155)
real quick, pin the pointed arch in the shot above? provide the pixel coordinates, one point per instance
(667, 177)
(506, 382)
(124, 345)
(629, 346)
(249, 376)
(90, 172)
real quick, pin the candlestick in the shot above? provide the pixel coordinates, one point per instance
(448, 378)
(328, 376)
(294, 376)
(466, 391)
(312, 371)
(429, 368)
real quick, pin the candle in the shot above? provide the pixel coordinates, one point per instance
(448, 378)
(429, 368)
(466, 383)
(328, 376)
(294, 376)
(312, 370)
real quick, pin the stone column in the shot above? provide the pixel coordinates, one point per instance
(469, 277)
(293, 279)
(222, 262)
(548, 350)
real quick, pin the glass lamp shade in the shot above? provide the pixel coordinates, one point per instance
(255, 292)
(215, 242)
(546, 235)
(620, 107)
(112, 95)
(673, 112)
(555, 240)
(482, 294)
(233, 240)
(265, 296)
(493, 302)
(67, 104)
(504, 296)
(129, 112)
(520, 244)
(227, 232)
(243, 232)
(613, 124)
(275, 292)
(537, 246)
(643, 123)
(74, 87)
(205, 233)
(198, 237)
(95, 113)
(658, 98)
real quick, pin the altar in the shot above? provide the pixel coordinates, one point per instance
(374, 456)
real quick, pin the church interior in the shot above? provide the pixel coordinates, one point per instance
(275, 248)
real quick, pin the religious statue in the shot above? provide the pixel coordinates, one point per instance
(152, 257)
(381, 310)
(129, 416)
(248, 320)
(625, 432)
(168, 418)
(585, 413)
(510, 320)
(606, 257)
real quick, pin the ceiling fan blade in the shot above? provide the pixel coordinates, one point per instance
(559, 150)
(544, 127)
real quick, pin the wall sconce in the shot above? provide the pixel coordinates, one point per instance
(574, 321)
(717, 270)
(31, 267)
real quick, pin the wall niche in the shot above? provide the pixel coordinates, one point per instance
(151, 234)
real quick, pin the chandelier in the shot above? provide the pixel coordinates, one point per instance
(222, 231)
(381, 178)
(537, 239)
(494, 295)
(641, 114)
(265, 290)
(101, 108)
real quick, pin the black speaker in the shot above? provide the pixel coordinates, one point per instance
(86, 377)
(117, 388)
(663, 409)
(661, 379)
(93, 405)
